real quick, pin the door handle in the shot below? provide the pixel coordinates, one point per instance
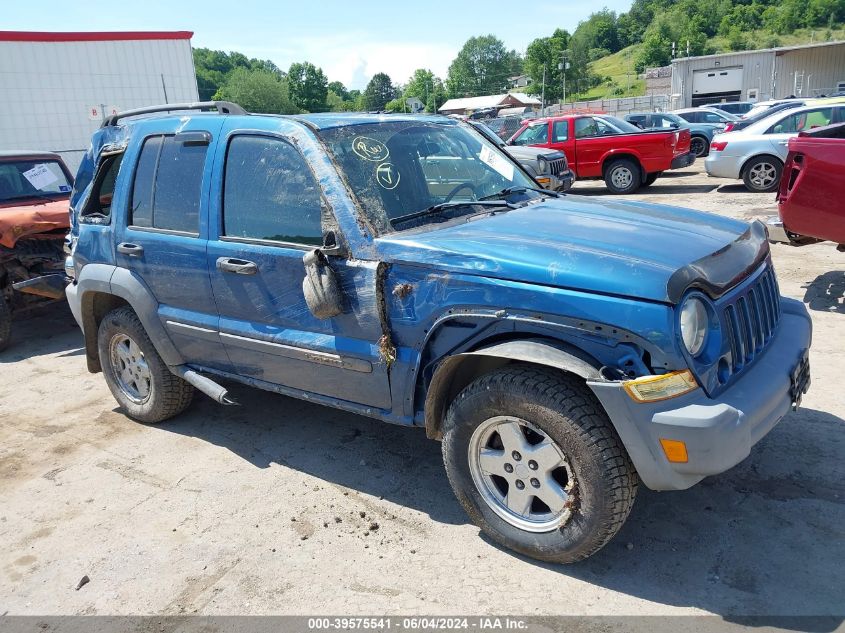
(133, 250)
(237, 266)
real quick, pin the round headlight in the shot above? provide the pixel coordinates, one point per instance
(694, 325)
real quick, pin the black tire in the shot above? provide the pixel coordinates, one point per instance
(5, 322)
(622, 176)
(699, 146)
(167, 394)
(762, 174)
(651, 178)
(604, 482)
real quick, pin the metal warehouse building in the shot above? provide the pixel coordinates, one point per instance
(774, 73)
(58, 87)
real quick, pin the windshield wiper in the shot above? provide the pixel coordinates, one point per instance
(507, 191)
(445, 206)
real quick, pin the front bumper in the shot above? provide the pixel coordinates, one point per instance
(720, 432)
(684, 160)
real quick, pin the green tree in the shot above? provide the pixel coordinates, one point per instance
(339, 89)
(213, 67)
(482, 67)
(544, 54)
(599, 31)
(426, 87)
(308, 87)
(379, 92)
(656, 49)
(257, 91)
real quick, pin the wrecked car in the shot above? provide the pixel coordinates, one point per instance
(34, 192)
(563, 349)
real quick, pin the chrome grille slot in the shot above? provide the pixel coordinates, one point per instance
(751, 319)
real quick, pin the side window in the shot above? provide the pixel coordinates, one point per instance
(168, 181)
(712, 117)
(586, 127)
(269, 193)
(99, 201)
(560, 131)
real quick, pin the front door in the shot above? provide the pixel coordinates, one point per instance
(270, 213)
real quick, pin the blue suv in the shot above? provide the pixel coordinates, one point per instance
(404, 268)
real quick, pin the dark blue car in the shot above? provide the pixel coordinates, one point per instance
(701, 134)
(404, 268)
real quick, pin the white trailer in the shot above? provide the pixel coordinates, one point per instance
(58, 87)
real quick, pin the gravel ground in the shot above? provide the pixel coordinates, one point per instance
(281, 506)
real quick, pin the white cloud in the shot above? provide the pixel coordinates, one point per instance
(354, 57)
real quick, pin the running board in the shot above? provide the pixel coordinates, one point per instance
(216, 392)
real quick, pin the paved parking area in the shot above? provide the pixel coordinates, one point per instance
(281, 506)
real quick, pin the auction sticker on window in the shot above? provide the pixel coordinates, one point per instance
(370, 149)
(40, 176)
(497, 162)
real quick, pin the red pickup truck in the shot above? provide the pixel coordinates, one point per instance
(602, 146)
(811, 198)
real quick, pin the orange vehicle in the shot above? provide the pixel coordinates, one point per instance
(34, 192)
(602, 146)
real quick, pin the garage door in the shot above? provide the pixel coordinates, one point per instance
(716, 84)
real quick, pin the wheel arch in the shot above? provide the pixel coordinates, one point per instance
(458, 370)
(755, 157)
(613, 155)
(103, 288)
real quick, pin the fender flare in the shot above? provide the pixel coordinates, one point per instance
(458, 370)
(119, 282)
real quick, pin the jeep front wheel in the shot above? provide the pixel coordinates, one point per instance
(137, 377)
(537, 464)
(623, 176)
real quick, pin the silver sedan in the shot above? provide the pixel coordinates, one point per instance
(757, 153)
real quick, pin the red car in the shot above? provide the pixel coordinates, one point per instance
(811, 198)
(34, 192)
(602, 146)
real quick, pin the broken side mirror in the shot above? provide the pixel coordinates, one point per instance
(320, 286)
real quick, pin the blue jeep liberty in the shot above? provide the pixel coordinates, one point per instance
(404, 268)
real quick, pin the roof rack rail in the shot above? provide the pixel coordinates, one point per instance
(222, 107)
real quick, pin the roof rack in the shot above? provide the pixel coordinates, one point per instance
(222, 107)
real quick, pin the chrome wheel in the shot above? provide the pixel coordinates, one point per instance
(521, 473)
(621, 177)
(762, 175)
(129, 368)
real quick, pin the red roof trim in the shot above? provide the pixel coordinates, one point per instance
(92, 36)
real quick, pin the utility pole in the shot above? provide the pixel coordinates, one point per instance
(543, 98)
(563, 66)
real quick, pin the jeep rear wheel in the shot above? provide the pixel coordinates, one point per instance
(623, 176)
(537, 464)
(137, 377)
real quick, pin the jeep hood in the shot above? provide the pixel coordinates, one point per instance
(631, 249)
(526, 152)
(17, 221)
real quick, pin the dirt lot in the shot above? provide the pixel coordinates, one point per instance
(280, 506)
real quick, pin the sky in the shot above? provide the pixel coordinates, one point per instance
(350, 40)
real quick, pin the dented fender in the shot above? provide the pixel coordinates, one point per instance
(458, 370)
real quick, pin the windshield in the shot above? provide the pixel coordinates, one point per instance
(398, 168)
(21, 179)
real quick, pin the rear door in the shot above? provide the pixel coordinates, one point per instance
(788, 126)
(268, 213)
(163, 236)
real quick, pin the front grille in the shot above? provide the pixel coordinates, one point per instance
(751, 319)
(556, 166)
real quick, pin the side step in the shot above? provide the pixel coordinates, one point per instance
(216, 392)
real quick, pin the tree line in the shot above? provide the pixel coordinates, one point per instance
(485, 66)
